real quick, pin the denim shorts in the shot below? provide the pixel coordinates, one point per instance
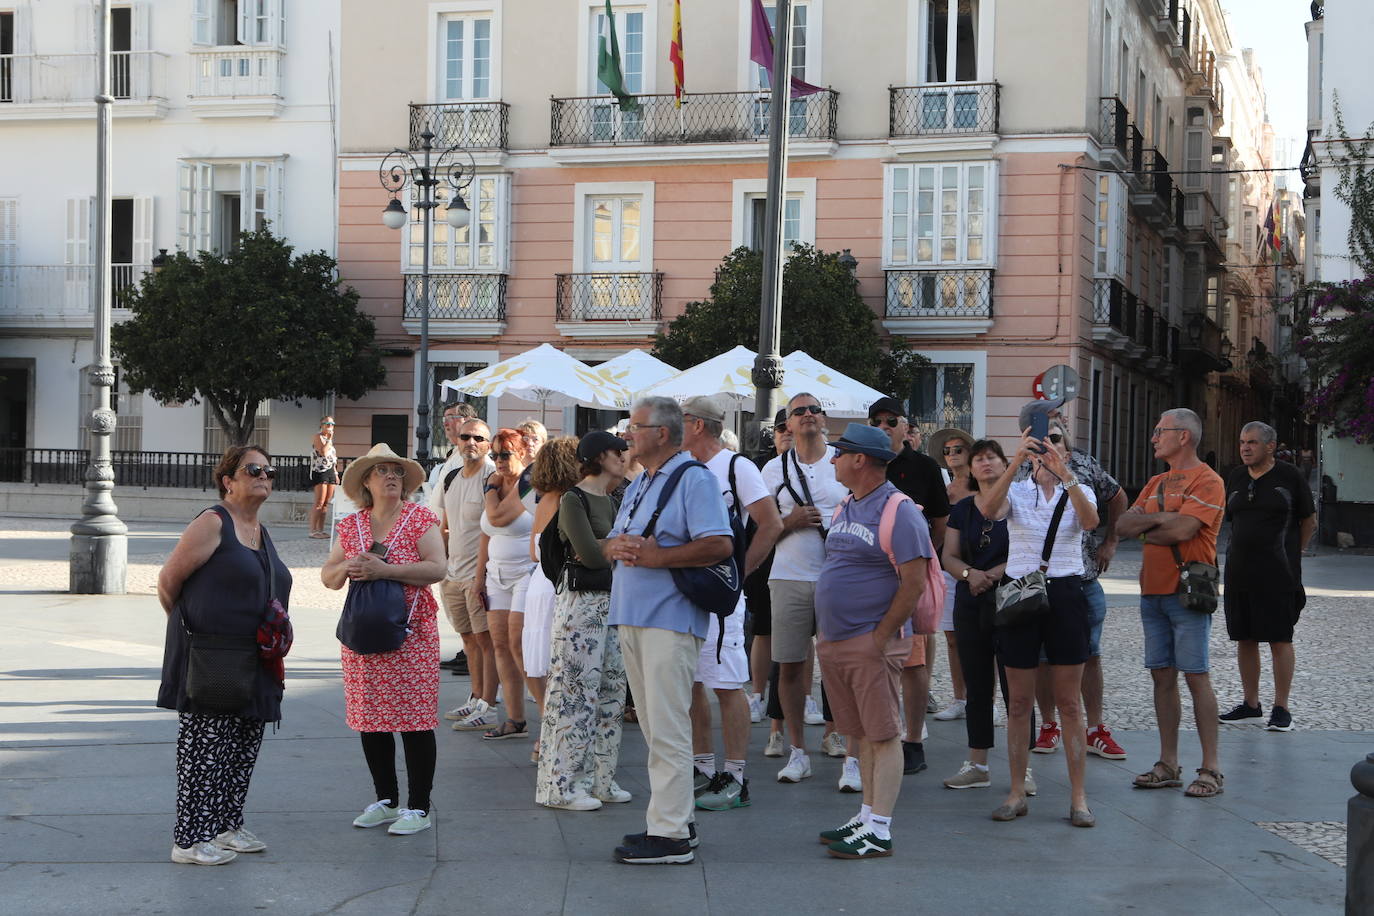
(1097, 614)
(1175, 637)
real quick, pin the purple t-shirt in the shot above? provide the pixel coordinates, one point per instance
(857, 581)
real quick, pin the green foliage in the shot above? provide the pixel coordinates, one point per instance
(822, 314)
(247, 326)
(1356, 189)
(1340, 354)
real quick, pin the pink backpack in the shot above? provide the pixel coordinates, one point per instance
(930, 607)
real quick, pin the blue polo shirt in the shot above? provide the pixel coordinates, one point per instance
(642, 597)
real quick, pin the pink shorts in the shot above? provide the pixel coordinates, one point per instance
(863, 684)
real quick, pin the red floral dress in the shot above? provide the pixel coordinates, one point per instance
(395, 691)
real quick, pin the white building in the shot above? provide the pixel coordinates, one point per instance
(223, 118)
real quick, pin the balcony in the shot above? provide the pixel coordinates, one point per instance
(942, 109)
(1154, 197)
(1203, 223)
(938, 302)
(1181, 51)
(709, 125)
(608, 304)
(471, 125)
(1111, 325)
(1200, 349)
(236, 82)
(460, 305)
(56, 297)
(1112, 130)
(46, 86)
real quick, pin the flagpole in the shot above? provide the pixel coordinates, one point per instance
(767, 375)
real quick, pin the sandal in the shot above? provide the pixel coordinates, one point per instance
(1160, 776)
(1207, 784)
(630, 715)
(507, 729)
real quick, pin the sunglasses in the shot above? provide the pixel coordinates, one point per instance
(258, 470)
(952, 450)
(806, 409)
(469, 437)
(986, 540)
(502, 456)
(1056, 438)
(389, 470)
(327, 424)
(879, 421)
(1250, 497)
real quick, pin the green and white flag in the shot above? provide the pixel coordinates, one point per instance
(608, 62)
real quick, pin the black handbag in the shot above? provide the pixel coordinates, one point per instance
(375, 617)
(220, 670)
(1198, 582)
(1026, 599)
(579, 578)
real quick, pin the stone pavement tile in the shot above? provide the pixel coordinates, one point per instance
(494, 887)
(599, 888)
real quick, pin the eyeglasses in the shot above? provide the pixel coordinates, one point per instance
(258, 470)
(330, 423)
(502, 456)
(879, 421)
(952, 450)
(640, 427)
(389, 470)
(1056, 438)
(806, 409)
(469, 437)
(986, 540)
(1160, 430)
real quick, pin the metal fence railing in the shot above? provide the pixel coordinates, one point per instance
(458, 297)
(473, 125)
(705, 117)
(939, 294)
(1113, 121)
(609, 296)
(943, 108)
(141, 469)
(1109, 303)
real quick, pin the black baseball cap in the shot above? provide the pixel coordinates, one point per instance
(781, 418)
(886, 405)
(598, 442)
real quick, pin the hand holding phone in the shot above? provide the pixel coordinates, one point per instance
(1039, 429)
(379, 550)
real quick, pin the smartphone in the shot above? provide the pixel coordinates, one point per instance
(1040, 427)
(378, 549)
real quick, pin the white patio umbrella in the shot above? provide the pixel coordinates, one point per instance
(634, 370)
(805, 364)
(544, 375)
(731, 374)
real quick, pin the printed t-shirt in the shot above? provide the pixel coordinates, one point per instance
(799, 554)
(1197, 492)
(462, 514)
(857, 582)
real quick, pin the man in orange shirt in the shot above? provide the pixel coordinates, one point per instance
(1180, 509)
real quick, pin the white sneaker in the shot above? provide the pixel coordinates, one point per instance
(616, 795)
(955, 710)
(410, 821)
(377, 814)
(580, 801)
(1030, 783)
(999, 716)
(459, 713)
(774, 747)
(202, 854)
(798, 767)
(832, 745)
(925, 731)
(932, 704)
(812, 715)
(969, 777)
(483, 717)
(850, 780)
(756, 708)
(241, 840)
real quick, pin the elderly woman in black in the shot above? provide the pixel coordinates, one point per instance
(219, 580)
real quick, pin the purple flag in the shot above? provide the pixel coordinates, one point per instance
(761, 50)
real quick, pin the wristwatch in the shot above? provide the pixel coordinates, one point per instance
(1070, 482)
(964, 574)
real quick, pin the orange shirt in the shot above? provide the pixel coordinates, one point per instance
(1197, 492)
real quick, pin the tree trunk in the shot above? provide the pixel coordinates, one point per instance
(236, 420)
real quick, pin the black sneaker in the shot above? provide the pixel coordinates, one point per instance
(654, 850)
(1279, 720)
(913, 757)
(701, 783)
(1242, 714)
(630, 839)
(460, 659)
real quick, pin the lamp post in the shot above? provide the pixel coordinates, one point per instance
(100, 542)
(399, 169)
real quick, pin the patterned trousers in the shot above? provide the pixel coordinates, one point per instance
(215, 757)
(579, 738)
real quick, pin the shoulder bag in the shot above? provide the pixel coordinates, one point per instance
(1026, 599)
(1197, 581)
(579, 578)
(375, 618)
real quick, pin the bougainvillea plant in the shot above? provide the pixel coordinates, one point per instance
(1339, 349)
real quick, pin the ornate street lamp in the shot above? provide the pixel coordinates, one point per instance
(455, 167)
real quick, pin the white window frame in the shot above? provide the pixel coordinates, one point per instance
(471, 10)
(815, 35)
(979, 361)
(990, 214)
(9, 235)
(586, 43)
(502, 229)
(745, 189)
(1109, 260)
(584, 192)
(918, 15)
(196, 194)
(251, 14)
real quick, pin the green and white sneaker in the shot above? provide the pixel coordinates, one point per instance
(724, 793)
(861, 844)
(839, 833)
(701, 783)
(377, 814)
(410, 821)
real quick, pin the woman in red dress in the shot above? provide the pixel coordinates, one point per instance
(396, 691)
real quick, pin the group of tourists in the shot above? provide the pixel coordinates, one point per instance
(575, 571)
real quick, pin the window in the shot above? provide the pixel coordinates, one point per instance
(940, 214)
(237, 22)
(943, 397)
(218, 199)
(465, 57)
(128, 408)
(1095, 412)
(951, 41)
(1110, 238)
(614, 231)
(629, 31)
(440, 372)
(762, 79)
(758, 221)
(478, 246)
(749, 213)
(9, 239)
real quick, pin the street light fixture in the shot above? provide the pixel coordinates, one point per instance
(455, 167)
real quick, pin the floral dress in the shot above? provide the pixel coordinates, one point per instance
(396, 691)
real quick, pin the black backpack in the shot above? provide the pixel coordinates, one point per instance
(553, 550)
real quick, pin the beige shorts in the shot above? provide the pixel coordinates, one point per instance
(794, 618)
(863, 684)
(463, 606)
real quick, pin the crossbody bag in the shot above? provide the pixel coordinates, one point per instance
(1026, 599)
(1198, 582)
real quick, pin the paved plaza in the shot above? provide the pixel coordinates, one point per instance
(87, 786)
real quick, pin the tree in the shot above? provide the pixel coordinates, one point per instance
(1356, 188)
(247, 326)
(1339, 349)
(822, 314)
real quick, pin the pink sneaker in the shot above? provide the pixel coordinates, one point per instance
(1100, 743)
(1048, 741)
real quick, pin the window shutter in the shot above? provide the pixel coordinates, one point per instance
(200, 23)
(78, 255)
(141, 14)
(143, 232)
(245, 22)
(9, 239)
(87, 27)
(186, 206)
(204, 205)
(277, 10)
(276, 174)
(1116, 235)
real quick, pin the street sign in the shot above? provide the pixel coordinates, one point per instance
(1056, 382)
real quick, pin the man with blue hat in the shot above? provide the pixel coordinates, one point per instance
(873, 575)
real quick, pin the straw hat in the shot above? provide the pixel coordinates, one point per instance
(380, 453)
(940, 438)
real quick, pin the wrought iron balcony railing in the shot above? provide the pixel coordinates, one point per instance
(1113, 121)
(705, 117)
(609, 296)
(939, 294)
(458, 297)
(942, 108)
(1135, 148)
(1109, 304)
(473, 125)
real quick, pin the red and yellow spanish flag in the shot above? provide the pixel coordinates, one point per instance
(675, 54)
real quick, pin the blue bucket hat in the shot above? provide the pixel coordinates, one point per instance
(866, 440)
